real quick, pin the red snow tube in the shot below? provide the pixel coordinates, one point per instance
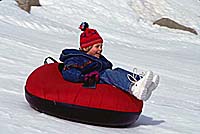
(47, 92)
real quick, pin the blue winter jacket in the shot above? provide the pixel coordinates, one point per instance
(78, 63)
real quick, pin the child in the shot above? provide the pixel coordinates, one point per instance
(88, 62)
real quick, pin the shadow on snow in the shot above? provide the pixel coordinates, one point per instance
(144, 120)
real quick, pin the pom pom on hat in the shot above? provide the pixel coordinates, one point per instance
(88, 37)
(83, 26)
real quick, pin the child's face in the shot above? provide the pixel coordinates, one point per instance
(96, 50)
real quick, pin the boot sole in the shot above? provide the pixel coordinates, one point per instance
(146, 83)
(152, 87)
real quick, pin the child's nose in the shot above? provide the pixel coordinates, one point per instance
(100, 48)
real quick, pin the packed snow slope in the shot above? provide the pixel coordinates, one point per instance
(130, 40)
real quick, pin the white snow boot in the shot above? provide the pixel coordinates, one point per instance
(152, 87)
(140, 88)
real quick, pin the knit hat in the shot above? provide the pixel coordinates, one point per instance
(88, 37)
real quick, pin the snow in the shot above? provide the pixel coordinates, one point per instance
(130, 40)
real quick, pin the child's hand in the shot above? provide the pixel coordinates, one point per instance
(92, 75)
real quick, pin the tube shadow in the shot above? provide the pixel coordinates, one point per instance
(144, 120)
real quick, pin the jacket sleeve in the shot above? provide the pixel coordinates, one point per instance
(94, 66)
(73, 75)
(97, 65)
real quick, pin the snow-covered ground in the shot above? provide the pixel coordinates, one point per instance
(130, 40)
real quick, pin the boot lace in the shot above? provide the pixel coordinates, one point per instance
(136, 76)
